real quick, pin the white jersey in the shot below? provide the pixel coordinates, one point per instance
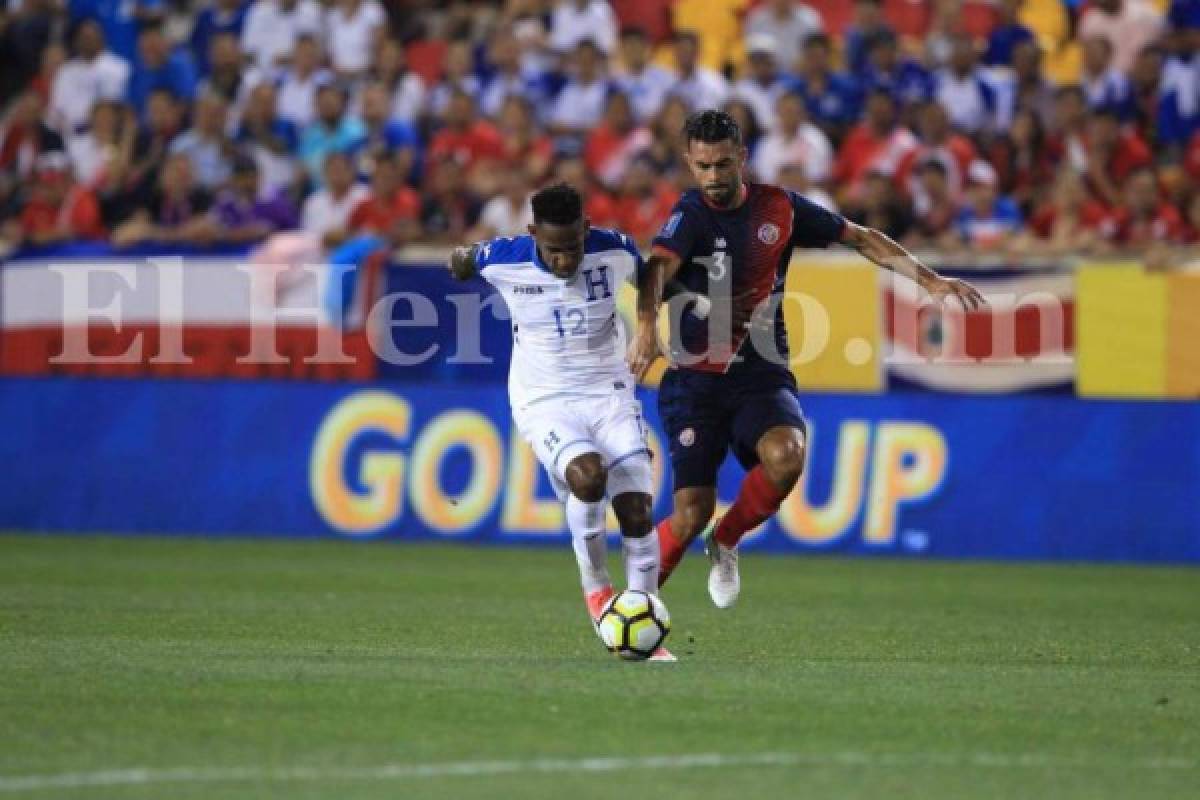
(568, 340)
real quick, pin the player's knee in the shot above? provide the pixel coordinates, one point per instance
(783, 458)
(587, 477)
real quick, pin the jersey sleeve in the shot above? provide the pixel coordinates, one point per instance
(639, 264)
(813, 226)
(680, 232)
(490, 252)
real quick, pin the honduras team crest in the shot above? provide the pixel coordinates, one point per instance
(768, 233)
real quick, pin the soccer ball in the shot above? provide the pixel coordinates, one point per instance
(634, 624)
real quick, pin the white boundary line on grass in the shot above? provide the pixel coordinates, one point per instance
(386, 772)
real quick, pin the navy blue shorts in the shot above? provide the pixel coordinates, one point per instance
(706, 415)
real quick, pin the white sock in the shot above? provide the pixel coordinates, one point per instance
(586, 522)
(641, 562)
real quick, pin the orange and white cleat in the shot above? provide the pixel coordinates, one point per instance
(662, 655)
(596, 602)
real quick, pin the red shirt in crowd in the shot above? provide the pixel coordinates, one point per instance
(642, 217)
(380, 215)
(1165, 226)
(79, 212)
(479, 142)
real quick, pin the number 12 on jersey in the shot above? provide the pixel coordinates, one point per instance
(575, 318)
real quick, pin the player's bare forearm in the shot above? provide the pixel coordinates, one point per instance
(644, 350)
(879, 248)
(462, 263)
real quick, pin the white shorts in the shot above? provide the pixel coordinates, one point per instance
(561, 430)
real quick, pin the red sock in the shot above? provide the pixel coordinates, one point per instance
(670, 551)
(757, 500)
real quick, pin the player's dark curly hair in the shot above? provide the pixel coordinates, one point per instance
(559, 204)
(711, 127)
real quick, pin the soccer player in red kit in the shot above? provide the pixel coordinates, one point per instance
(724, 252)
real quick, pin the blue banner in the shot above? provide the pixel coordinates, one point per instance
(1015, 477)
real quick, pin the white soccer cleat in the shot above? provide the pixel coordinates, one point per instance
(724, 582)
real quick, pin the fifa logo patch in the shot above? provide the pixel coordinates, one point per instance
(768, 233)
(687, 437)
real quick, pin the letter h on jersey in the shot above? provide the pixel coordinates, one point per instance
(594, 283)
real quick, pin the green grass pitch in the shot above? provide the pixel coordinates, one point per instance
(320, 669)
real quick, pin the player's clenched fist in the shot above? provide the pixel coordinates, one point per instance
(462, 262)
(643, 351)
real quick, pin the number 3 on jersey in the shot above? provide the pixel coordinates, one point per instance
(575, 319)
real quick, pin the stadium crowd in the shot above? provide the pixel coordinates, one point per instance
(1018, 128)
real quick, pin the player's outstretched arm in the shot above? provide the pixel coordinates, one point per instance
(878, 247)
(462, 262)
(644, 348)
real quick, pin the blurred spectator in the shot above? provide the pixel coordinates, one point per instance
(104, 147)
(1006, 35)
(272, 26)
(1065, 134)
(175, 210)
(391, 209)
(743, 115)
(597, 203)
(1070, 222)
(25, 138)
(385, 139)
(868, 22)
(987, 220)
(575, 21)
(879, 207)
(353, 28)
(1191, 231)
(937, 142)
(163, 122)
(53, 59)
(1110, 154)
(646, 84)
(228, 75)
(698, 85)
(457, 76)
(56, 209)
(157, 67)
(333, 131)
(793, 140)
(407, 87)
(508, 76)
(877, 144)
(832, 98)
(94, 73)
(615, 142)
(521, 141)
(219, 16)
(1145, 219)
(1179, 106)
(667, 129)
(580, 104)
(120, 20)
(1127, 25)
(788, 24)
(643, 203)
(763, 84)
(1104, 85)
(1145, 96)
(935, 209)
(27, 29)
(269, 139)
(1024, 87)
(794, 177)
(449, 208)
(509, 212)
(244, 213)
(963, 91)
(327, 211)
(465, 139)
(1020, 160)
(901, 77)
(206, 144)
(300, 81)
(717, 27)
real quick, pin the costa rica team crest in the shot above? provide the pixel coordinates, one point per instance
(768, 233)
(687, 437)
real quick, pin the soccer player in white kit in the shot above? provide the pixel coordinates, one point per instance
(569, 385)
